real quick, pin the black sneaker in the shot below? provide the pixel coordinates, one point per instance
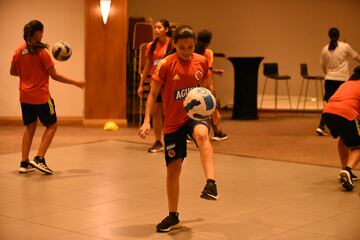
(26, 167)
(210, 191)
(346, 180)
(156, 147)
(39, 163)
(321, 132)
(219, 136)
(169, 223)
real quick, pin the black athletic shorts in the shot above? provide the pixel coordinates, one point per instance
(348, 131)
(158, 99)
(45, 112)
(175, 143)
(330, 88)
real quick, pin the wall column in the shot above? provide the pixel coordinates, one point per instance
(105, 64)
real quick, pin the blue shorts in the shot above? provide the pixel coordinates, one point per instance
(175, 142)
(45, 112)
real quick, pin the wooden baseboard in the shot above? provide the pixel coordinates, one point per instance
(101, 122)
(65, 120)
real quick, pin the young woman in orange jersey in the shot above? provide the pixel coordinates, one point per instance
(202, 43)
(342, 116)
(155, 52)
(33, 64)
(179, 72)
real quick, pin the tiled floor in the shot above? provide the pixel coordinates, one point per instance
(116, 190)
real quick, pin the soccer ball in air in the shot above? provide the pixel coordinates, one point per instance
(61, 51)
(199, 103)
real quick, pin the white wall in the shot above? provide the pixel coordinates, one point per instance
(285, 31)
(63, 20)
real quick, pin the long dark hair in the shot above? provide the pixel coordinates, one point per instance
(203, 40)
(166, 25)
(356, 74)
(183, 32)
(334, 35)
(29, 30)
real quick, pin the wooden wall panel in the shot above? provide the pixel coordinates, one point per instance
(105, 63)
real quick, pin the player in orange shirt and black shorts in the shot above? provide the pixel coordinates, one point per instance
(155, 52)
(341, 115)
(33, 64)
(174, 77)
(202, 43)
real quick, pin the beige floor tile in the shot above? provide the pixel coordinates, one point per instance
(74, 236)
(28, 209)
(73, 220)
(246, 229)
(123, 230)
(123, 209)
(22, 230)
(343, 226)
(298, 235)
(116, 190)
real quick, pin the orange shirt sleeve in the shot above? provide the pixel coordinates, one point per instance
(210, 57)
(160, 72)
(147, 52)
(46, 59)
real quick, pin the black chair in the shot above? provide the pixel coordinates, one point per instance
(271, 71)
(306, 77)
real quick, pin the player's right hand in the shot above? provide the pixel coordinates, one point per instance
(144, 130)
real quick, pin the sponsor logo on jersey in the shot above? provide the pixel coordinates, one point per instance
(176, 77)
(181, 93)
(199, 75)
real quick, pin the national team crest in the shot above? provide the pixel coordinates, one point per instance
(199, 75)
(171, 153)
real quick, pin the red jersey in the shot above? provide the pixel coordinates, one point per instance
(346, 101)
(33, 73)
(158, 54)
(177, 78)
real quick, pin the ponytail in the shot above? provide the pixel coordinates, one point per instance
(334, 35)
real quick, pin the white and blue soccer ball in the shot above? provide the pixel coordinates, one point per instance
(61, 51)
(199, 103)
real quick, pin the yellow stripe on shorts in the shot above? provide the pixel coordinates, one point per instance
(357, 126)
(51, 107)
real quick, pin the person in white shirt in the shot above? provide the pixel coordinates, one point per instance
(334, 64)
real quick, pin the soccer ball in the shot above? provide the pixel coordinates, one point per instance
(61, 51)
(199, 103)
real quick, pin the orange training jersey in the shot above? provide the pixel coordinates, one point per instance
(209, 54)
(346, 100)
(33, 73)
(158, 55)
(177, 78)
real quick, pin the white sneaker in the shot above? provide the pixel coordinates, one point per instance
(321, 132)
(25, 167)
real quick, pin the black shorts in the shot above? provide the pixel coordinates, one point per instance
(175, 143)
(158, 99)
(45, 112)
(330, 88)
(347, 130)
